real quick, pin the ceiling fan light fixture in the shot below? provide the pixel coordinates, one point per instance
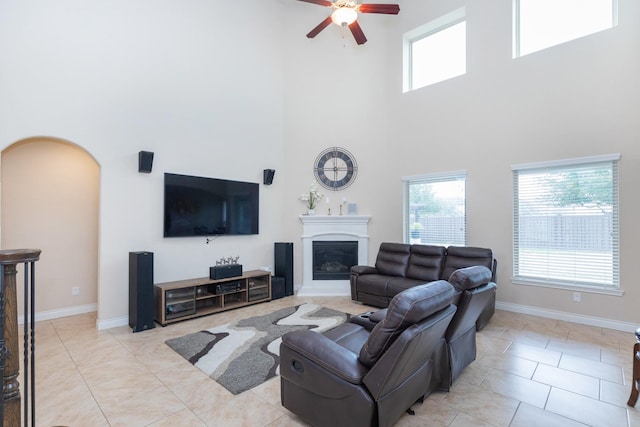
(344, 16)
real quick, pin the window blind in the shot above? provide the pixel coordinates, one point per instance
(565, 223)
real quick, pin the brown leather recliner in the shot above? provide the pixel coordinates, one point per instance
(353, 376)
(473, 290)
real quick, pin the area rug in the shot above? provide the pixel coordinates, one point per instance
(246, 353)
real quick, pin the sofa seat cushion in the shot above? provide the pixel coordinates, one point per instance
(396, 285)
(374, 284)
(348, 335)
(406, 308)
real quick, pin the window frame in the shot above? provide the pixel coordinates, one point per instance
(517, 37)
(568, 165)
(420, 33)
(407, 181)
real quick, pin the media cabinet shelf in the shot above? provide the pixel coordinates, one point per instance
(186, 299)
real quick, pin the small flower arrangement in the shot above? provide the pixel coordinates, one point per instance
(312, 197)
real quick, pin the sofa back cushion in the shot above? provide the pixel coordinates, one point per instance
(406, 308)
(425, 262)
(392, 259)
(466, 256)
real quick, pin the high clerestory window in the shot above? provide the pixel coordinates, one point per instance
(565, 224)
(539, 24)
(435, 51)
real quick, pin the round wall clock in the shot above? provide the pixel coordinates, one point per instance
(335, 168)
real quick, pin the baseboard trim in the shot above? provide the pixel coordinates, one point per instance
(569, 317)
(63, 312)
(112, 323)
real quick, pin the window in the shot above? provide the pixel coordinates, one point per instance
(434, 209)
(539, 24)
(436, 51)
(565, 221)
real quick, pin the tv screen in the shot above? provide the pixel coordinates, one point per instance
(198, 206)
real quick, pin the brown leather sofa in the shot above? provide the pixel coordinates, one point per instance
(356, 376)
(400, 266)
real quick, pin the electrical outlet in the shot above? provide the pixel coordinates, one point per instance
(577, 297)
(75, 291)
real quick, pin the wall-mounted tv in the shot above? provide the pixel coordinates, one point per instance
(199, 206)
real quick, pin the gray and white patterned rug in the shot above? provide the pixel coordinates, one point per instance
(246, 353)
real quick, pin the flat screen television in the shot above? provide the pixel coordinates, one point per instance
(199, 206)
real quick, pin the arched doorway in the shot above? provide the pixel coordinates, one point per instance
(50, 201)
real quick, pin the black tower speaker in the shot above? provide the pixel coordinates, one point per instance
(145, 161)
(267, 176)
(141, 291)
(283, 263)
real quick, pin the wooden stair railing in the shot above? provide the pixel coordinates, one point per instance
(9, 352)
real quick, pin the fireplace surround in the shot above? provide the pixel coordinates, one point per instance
(331, 228)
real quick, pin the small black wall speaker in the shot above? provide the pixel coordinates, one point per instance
(145, 161)
(267, 176)
(283, 264)
(141, 291)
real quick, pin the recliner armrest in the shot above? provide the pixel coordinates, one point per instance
(363, 269)
(326, 353)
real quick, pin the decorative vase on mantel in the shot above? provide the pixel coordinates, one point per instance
(311, 211)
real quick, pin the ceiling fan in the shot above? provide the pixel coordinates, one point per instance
(345, 14)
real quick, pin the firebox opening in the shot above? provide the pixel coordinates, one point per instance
(332, 260)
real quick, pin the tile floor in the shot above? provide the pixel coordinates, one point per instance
(530, 371)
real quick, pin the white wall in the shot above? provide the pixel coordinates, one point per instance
(229, 94)
(574, 100)
(200, 88)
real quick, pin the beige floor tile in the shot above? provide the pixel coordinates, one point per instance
(242, 410)
(483, 404)
(584, 350)
(567, 380)
(617, 394)
(586, 410)
(516, 387)
(530, 416)
(466, 420)
(429, 413)
(548, 357)
(86, 377)
(288, 421)
(183, 418)
(511, 364)
(592, 368)
(527, 337)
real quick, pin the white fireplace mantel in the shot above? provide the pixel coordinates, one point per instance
(331, 228)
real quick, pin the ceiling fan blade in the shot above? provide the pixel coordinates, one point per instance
(321, 26)
(319, 2)
(357, 32)
(389, 9)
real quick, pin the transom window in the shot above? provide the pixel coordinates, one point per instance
(436, 51)
(539, 24)
(434, 209)
(565, 220)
